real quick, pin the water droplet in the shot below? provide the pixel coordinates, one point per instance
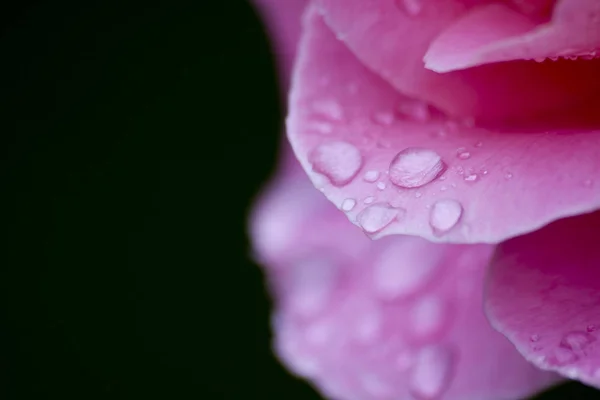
(411, 7)
(369, 200)
(380, 185)
(415, 167)
(329, 109)
(444, 215)
(471, 177)
(321, 127)
(591, 328)
(415, 110)
(378, 216)
(427, 316)
(443, 188)
(338, 161)
(311, 283)
(577, 340)
(508, 176)
(534, 338)
(384, 118)
(462, 153)
(371, 176)
(418, 194)
(484, 172)
(432, 372)
(479, 144)
(348, 204)
(405, 268)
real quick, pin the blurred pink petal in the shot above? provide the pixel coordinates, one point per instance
(496, 33)
(389, 319)
(412, 171)
(391, 37)
(544, 295)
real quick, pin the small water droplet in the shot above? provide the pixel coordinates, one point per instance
(415, 110)
(371, 176)
(443, 188)
(369, 200)
(338, 161)
(418, 194)
(378, 216)
(348, 204)
(534, 338)
(311, 284)
(380, 185)
(444, 215)
(479, 144)
(577, 340)
(384, 118)
(411, 7)
(462, 153)
(329, 108)
(432, 372)
(591, 328)
(471, 177)
(484, 172)
(508, 176)
(415, 167)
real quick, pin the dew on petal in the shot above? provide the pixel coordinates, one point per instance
(415, 110)
(508, 176)
(432, 373)
(418, 194)
(312, 282)
(378, 216)
(415, 167)
(348, 204)
(462, 153)
(471, 177)
(369, 200)
(479, 144)
(380, 185)
(338, 161)
(577, 340)
(384, 118)
(371, 176)
(405, 269)
(427, 316)
(329, 108)
(591, 328)
(534, 338)
(444, 215)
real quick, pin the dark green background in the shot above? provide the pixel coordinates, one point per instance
(133, 138)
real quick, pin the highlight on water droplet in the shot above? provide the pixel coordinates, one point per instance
(378, 216)
(415, 167)
(432, 372)
(508, 176)
(371, 176)
(462, 153)
(329, 108)
(472, 177)
(337, 161)
(348, 204)
(444, 215)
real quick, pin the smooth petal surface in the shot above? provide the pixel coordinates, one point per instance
(399, 318)
(392, 40)
(411, 171)
(496, 33)
(543, 293)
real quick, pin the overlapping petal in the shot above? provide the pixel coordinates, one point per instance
(543, 293)
(392, 40)
(389, 319)
(409, 170)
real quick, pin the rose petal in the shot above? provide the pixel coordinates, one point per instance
(393, 41)
(544, 294)
(492, 184)
(390, 319)
(495, 33)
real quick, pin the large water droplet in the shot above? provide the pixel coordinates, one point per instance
(378, 216)
(329, 109)
(444, 215)
(427, 316)
(411, 7)
(348, 204)
(338, 161)
(432, 372)
(405, 268)
(414, 167)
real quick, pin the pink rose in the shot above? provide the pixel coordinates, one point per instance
(465, 135)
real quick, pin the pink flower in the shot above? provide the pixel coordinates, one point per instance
(465, 136)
